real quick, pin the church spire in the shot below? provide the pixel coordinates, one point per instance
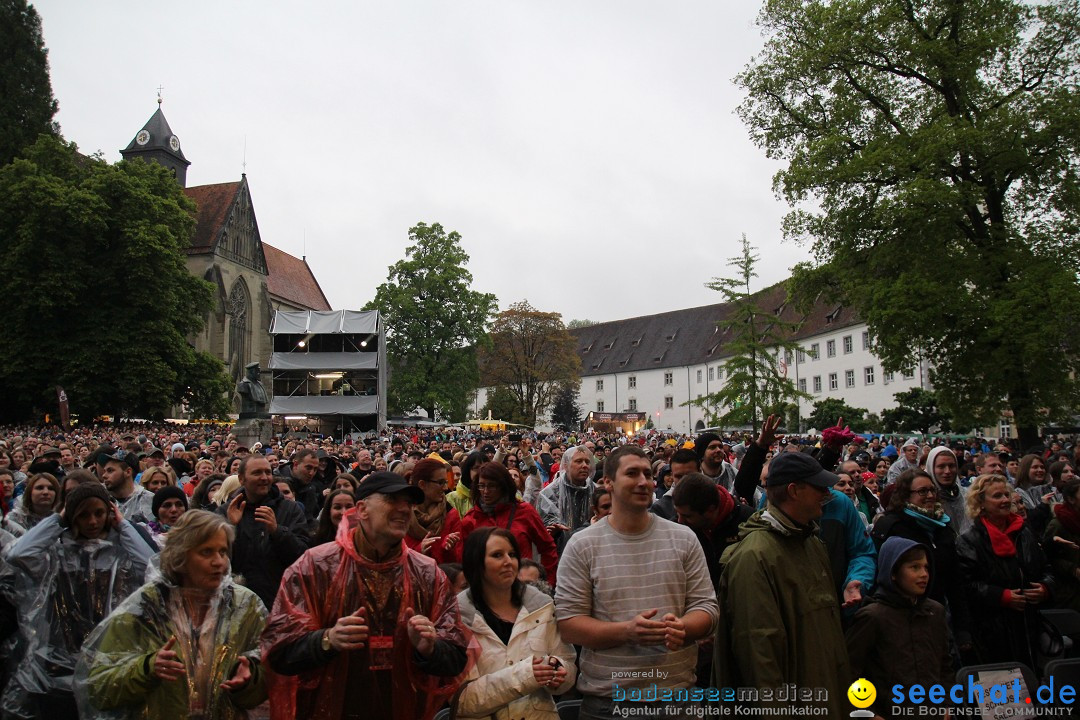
(156, 142)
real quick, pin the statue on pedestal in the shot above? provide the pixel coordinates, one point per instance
(253, 400)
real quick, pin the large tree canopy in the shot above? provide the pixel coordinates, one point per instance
(27, 106)
(434, 320)
(531, 355)
(931, 152)
(97, 297)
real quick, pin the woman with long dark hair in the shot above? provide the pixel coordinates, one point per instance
(336, 504)
(497, 505)
(523, 660)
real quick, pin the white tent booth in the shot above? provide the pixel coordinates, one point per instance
(329, 370)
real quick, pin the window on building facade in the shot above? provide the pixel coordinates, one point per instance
(868, 375)
(631, 382)
(849, 378)
(599, 386)
(631, 404)
(866, 340)
(1004, 429)
(888, 377)
(830, 348)
(668, 378)
(711, 374)
(669, 402)
(599, 406)
(848, 345)
(833, 384)
(802, 385)
(800, 356)
(787, 357)
(817, 383)
(699, 377)
(815, 351)
(909, 374)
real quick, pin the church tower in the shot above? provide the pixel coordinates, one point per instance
(156, 142)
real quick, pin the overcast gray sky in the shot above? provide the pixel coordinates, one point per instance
(588, 152)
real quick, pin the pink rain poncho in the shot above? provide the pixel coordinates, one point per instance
(333, 580)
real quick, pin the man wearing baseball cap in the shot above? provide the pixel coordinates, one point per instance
(780, 618)
(372, 625)
(118, 475)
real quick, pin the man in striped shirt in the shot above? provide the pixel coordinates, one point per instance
(636, 596)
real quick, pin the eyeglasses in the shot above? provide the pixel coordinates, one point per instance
(925, 492)
(440, 483)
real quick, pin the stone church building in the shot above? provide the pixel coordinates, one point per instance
(251, 279)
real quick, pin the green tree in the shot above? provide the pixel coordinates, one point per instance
(434, 321)
(502, 405)
(566, 411)
(207, 396)
(28, 105)
(532, 355)
(827, 412)
(916, 409)
(97, 295)
(756, 387)
(930, 154)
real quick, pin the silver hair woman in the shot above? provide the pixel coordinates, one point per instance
(183, 645)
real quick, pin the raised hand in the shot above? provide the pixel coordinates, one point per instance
(421, 632)
(166, 665)
(349, 632)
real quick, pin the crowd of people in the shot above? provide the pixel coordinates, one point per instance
(170, 571)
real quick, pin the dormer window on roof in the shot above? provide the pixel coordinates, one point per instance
(635, 343)
(597, 365)
(712, 350)
(660, 357)
(833, 315)
(587, 349)
(609, 345)
(671, 337)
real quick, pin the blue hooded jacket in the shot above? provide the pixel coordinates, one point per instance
(889, 556)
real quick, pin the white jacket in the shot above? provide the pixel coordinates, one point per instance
(503, 683)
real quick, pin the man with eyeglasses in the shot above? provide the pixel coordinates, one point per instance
(769, 638)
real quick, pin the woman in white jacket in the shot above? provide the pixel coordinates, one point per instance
(523, 660)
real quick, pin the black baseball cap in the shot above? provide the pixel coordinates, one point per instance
(792, 467)
(388, 483)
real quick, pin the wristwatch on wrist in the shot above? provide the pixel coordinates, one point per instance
(325, 642)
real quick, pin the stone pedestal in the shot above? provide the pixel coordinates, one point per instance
(249, 431)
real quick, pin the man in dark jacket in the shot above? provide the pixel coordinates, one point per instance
(712, 513)
(271, 531)
(683, 463)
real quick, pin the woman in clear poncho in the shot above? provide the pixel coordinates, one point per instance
(185, 644)
(64, 576)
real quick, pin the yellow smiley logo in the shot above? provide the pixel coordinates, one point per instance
(862, 693)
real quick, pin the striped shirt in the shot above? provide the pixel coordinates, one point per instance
(614, 577)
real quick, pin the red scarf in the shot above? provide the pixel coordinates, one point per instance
(1002, 543)
(727, 504)
(1068, 517)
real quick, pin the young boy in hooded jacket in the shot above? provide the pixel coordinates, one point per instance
(900, 637)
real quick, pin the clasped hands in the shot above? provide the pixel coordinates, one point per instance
(668, 631)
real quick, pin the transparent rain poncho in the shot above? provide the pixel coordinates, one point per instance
(332, 581)
(114, 680)
(62, 587)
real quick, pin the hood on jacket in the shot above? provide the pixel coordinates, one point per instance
(888, 558)
(932, 457)
(773, 520)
